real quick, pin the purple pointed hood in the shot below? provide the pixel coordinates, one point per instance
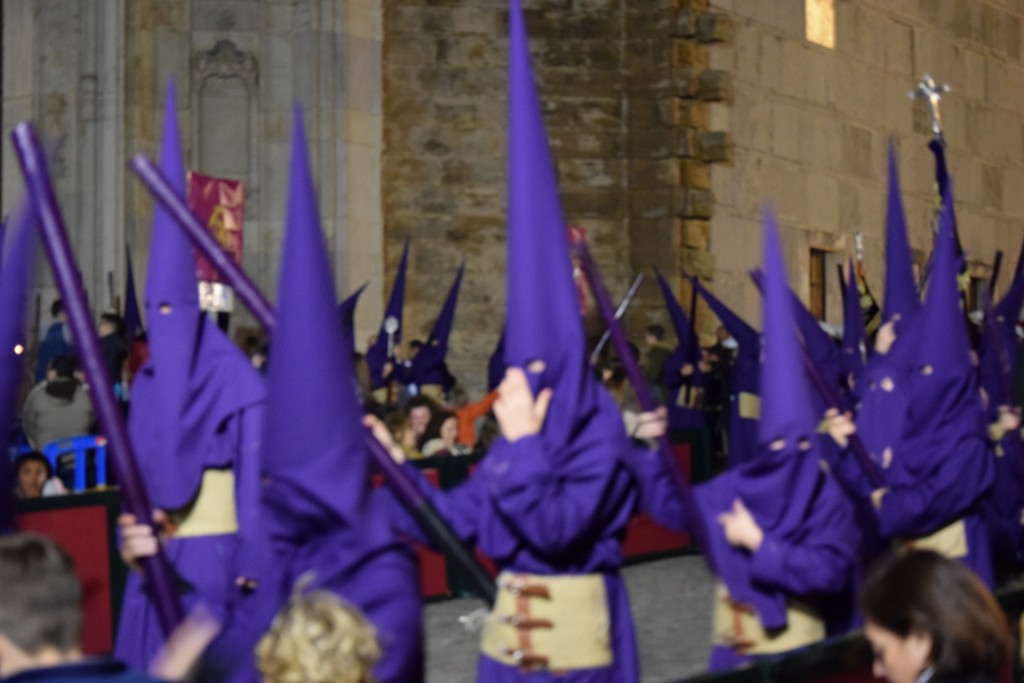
(429, 367)
(14, 283)
(854, 336)
(195, 377)
(313, 443)
(945, 401)
(680, 415)
(172, 307)
(944, 341)
(746, 372)
(347, 313)
(443, 325)
(785, 414)
(377, 353)
(900, 289)
(543, 306)
(680, 323)
(132, 316)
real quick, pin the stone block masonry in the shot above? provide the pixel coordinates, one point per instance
(626, 88)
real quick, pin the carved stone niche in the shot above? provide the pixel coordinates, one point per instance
(225, 116)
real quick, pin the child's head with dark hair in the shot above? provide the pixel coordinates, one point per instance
(56, 308)
(32, 471)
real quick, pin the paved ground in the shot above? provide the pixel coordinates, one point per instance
(671, 606)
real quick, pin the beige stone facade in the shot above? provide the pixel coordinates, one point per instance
(672, 122)
(810, 127)
(91, 74)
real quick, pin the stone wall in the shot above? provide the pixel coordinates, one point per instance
(92, 73)
(625, 87)
(810, 127)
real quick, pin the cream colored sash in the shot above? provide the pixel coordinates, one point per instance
(213, 511)
(750, 405)
(556, 623)
(737, 625)
(949, 541)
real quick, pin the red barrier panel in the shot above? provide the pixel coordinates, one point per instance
(644, 536)
(83, 525)
(433, 565)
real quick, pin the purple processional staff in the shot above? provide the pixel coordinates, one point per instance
(643, 394)
(406, 492)
(15, 275)
(158, 571)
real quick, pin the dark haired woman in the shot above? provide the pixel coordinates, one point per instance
(441, 436)
(930, 619)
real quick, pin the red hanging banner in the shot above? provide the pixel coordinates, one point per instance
(220, 204)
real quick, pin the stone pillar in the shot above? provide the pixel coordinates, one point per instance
(63, 70)
(672, 144)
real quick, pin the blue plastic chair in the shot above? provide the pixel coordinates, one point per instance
(16, 452)
(80, 446)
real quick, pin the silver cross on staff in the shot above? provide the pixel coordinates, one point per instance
(930, 91)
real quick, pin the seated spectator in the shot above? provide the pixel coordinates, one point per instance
(399, 425)
(35, 477)
(441, 436)
(58, 407)
(318, 638)
(41, 617)
(420, 410)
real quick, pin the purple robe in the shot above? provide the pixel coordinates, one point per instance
(1004, 507)
(536, 507)
(319, 514)
(196, 406)
(926, 407)
(810, 539)
(556, 502)
(227, 421)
